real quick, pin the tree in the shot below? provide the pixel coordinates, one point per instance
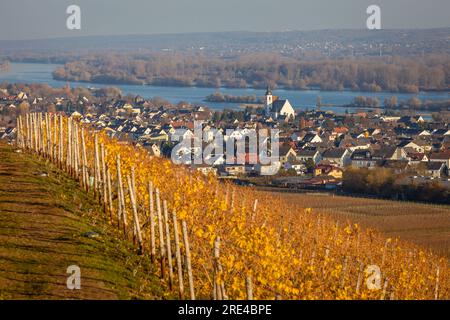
(310, 165)
(51, 108)
(391, 102)
(328, 124)
(354, 180)
(216, 117)
(318, 102)
(379, 180)
(414, 103)
(369, 74)
(23, 108)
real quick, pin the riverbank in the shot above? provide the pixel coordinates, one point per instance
(106, 80)
(301, 100)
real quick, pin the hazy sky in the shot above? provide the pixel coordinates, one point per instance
(30, 19)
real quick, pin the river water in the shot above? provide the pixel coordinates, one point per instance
(302, 99)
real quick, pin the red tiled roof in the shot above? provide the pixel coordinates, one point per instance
(340, 130)
(440, 156)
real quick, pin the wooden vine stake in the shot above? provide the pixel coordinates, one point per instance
(38, 135)
(188, 259)
(23, 134)
(72, 148)
(43, 135)
(29, 131)
(384, 252)
(360, 277)
(344, 271)
(383, 294)
(109, 192)
(28, 139)
(69, 146)
(35, 145)
(55, 137)
(152, 223)
(84, 174)
(168, 244)
(232, 198)
(217, 294)
(161, 234)
(33, 132)
(18, 132)
(31, 119)
(104, 184)
(436, 289)
(255, 207)
(47, 136)
(96, 166)
(135, 215)
(133, 187)
(61, 144)
(121, 213)
(52, 137)
(178, 256)
(34, 126)
(51, 142)
(41, 132)
(249, 287)
(76, 153)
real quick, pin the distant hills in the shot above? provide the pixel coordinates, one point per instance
(332, 43)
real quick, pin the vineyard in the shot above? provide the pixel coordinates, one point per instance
(427, 225)
(213, 240)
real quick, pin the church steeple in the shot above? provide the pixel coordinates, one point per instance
(269, 100)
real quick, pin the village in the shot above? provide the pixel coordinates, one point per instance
(316, 148)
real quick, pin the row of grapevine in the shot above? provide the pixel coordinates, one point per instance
(227, 242)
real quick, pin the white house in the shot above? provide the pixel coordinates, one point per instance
(312, 138)
(425, 133)
(181, 134)
(306, 154)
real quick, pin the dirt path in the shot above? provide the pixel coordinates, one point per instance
(45, 220)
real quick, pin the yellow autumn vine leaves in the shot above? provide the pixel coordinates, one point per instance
(288, 253)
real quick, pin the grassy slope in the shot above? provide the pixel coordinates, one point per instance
(43, 221)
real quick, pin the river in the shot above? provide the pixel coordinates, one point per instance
(42, 73)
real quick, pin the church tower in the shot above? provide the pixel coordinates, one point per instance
(269, 101)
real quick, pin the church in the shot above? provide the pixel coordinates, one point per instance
(278, 109)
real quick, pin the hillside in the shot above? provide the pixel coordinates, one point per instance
(308, 43)
(46, 224)
(236, 242)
